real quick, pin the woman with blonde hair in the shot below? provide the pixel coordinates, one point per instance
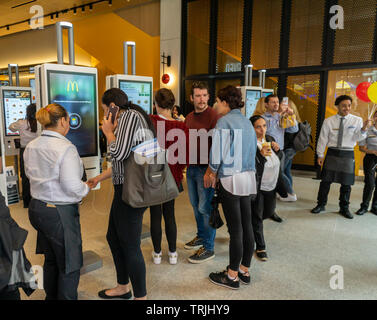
(286, 109)
(260, 108)
(55, 171)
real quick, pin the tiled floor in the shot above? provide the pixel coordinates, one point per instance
(301, 251)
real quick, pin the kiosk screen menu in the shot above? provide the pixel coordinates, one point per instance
(252, 97)
(138, 92)
(76, 92)
(14, 104)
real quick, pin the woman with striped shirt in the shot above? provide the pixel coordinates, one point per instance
(125, 223)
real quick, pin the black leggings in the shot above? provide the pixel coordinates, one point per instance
(263, 208)
(237, 212)
(167, 210)
(124, 237)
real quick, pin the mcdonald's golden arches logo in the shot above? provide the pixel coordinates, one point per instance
(72, 85)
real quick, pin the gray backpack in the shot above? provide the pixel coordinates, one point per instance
(303, 137)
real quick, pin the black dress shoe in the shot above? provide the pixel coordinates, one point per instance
(276, 218)
(346, 213)
(374, 211)
(361, 211)
(318, 209)
(102, 294)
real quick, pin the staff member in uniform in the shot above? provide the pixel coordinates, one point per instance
(340, 133)
(55, 169)
(369, 146)
(28, 131)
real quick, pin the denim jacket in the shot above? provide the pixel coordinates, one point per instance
(234, 145)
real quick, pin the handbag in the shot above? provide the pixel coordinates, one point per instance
(215, 220)
(287, 121)
(148, 180)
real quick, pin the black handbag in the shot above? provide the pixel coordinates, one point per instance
(215, 220)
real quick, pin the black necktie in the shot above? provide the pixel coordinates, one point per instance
(340, 134)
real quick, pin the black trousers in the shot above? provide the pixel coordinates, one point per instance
(167, 210)
(10, 295)
(237, 212)
(263, 207)
(26, 197)
(344, 197)
(370, 179)
(124, 238)
(57, 284)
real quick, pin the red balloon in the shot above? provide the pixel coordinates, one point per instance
(165, 78)
(362, 91)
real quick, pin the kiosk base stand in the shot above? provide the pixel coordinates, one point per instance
(12, 190)
(92, 261)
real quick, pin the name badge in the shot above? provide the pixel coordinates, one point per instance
(335, 128)
(49, 205)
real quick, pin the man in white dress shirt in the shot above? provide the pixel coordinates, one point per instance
(339, 133)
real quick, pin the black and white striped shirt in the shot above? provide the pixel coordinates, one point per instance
(128, 134)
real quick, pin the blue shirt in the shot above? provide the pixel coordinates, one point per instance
(274, 130)
(234, 145)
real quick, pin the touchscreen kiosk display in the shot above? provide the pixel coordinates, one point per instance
(252, 97)
(14, 104)
(266, 93)
(76, 92)
(138, 92)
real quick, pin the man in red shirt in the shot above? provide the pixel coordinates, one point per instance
(200, 122)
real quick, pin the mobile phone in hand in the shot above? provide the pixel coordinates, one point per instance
(113, 109)
(285, 100)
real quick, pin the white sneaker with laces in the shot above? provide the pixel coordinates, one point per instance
(290, 198)
(156, 257)
(173, 257)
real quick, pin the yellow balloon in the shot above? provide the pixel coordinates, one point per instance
(372, 92)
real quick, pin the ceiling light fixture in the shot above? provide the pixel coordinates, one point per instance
(90, 7)
(110, 2)
(74, 10)
(83, 8)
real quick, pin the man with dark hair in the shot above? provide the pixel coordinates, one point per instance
(272, 117)
(202, 119)
(339, 133)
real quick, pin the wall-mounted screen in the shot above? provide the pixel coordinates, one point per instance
(77, 93)
(252, 97)
(14, 104)
(138, 92)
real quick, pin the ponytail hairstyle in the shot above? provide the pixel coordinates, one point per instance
(49, 116)
(120, 99)
(30, 117)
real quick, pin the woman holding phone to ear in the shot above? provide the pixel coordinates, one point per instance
(125, 222)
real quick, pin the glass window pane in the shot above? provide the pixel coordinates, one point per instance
(345, 82)
(266, 34)
(198, 13)
(229, 35)
(303, 92)
(229, 82)
(305, 43)
(354, 43)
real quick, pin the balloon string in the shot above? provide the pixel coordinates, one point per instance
(374, 108)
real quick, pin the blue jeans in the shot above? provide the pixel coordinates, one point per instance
(200, 199)
(287, 175)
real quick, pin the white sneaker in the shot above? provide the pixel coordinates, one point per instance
(173, 257)
(156, 257)
(278, 196)
(290, 198)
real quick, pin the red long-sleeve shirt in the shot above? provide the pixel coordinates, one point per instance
(176, 169)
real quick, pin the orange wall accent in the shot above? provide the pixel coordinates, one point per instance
(102, 36)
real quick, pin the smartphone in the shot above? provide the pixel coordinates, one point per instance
(113, 109)
(285, 100)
